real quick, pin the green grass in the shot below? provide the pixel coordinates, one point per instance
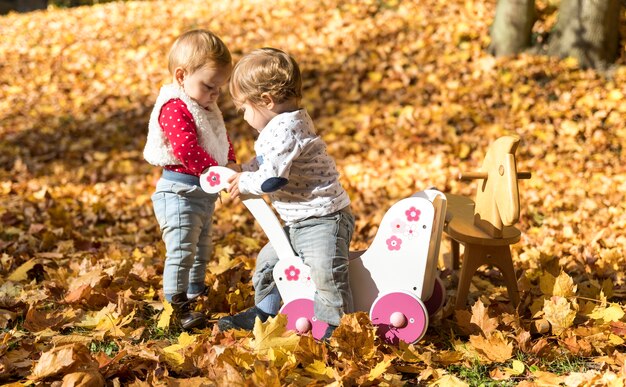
(478, 376)
(567, 364)
(109, 347)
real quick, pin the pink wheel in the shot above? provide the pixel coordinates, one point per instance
(437, 299)
(399, 316)
(301, 318)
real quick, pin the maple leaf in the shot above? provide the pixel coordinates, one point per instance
(547, 379)
(273, 334)
(173, 353)
(319, 369)
(166, 315)
(21, 273)
(63, 360)
(449, 381)
(606, 312)
(480, 317)
(562, 285)
(495, 347)
(558, 311)
(355, 337)
(380, 368)
(517, 368)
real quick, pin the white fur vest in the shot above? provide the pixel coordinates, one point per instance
(209, 126)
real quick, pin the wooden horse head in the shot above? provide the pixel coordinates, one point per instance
(497, 195)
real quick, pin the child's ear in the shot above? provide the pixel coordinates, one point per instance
(268, 100)
(179, 75)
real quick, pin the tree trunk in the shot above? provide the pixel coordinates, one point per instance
(512, 27)
(588, 31)
(22, 5)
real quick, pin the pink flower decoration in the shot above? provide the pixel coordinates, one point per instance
(394, 243)
(213, 179)
(411, 231)
(397, 226)
(292, 273)
(413, 214)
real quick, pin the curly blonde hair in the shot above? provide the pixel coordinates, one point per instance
(196, 49)
(265, 70)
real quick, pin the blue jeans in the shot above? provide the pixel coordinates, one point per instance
(323, 244)
(184, 212)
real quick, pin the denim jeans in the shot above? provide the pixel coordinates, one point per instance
(184, 212)
(323, 244)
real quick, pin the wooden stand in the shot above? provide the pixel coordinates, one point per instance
(485, 227)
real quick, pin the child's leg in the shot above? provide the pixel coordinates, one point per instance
(324, 244)
(205, 248)
(180, 220)
(266, 295)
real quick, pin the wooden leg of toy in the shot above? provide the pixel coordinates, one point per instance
(471, 262)
(454, 251)
(474, 257)
(504, 262)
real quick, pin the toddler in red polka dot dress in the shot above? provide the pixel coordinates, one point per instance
(186, 135)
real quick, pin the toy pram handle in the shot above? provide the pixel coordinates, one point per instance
(215, 179)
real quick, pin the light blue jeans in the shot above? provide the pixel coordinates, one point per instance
(184, 212)
(323, 244)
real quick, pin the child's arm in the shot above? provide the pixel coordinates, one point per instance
(233, 188)
(273, 166)
(180, 130)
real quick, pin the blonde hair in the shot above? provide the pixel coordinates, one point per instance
(196, 49)
(265, 70)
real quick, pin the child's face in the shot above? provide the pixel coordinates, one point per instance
(256, 116)
(204, 85)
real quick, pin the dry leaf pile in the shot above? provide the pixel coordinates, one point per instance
(406, 97)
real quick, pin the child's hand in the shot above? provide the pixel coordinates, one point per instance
(233, 188)
(234, 166)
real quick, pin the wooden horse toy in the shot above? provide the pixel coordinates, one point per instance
(485, 227)
(395, 279)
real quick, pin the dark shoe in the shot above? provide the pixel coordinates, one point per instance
(328, 333)
(184, 314)
(243, 320)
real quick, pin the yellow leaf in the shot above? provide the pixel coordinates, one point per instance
(166, 314)
(380, 368)
(495, 347)
(319, 368)
(564, 286)
(547, 379)
(559, 313)
(61, 360)
(272, 334)
(615, 95)
(21, 273)
(615, 339)
(481, 318)
(612, 313)
(375, 76)
(149, 295)
(450, 381)
(517, 368)
(172, 352)
(355, 337)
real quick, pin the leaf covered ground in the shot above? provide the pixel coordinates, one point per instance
(406, 97)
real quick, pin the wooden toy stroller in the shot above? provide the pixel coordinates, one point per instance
(395, 279)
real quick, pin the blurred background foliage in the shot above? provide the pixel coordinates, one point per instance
(7, 6)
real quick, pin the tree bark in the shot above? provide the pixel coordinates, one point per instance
(512, 27)
(588, 31)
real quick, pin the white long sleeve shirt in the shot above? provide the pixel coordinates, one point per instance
(294, 170)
